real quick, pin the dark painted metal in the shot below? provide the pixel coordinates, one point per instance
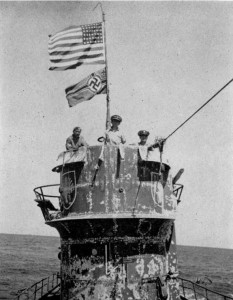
(116, 222)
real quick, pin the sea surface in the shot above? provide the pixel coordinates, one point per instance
(25, 259)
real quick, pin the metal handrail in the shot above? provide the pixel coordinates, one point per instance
(178, 189)
(199, 291)
(49, 284)
(41, 194)
(40, 288)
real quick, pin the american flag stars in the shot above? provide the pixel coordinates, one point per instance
(92, 34)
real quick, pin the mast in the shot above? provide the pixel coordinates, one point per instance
(106, 60)
(107, 98)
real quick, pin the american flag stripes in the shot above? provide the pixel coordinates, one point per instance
(77, 45)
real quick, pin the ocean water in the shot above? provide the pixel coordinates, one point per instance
(25, 259)
(217, 264)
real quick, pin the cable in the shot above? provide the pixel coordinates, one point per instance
(200, 108)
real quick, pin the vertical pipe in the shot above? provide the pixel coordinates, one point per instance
(106, 259)
(194, 291)
(48, 285)
(42, 194)
(35, 291)
(107, 86)
(183, 287)
(42, 287)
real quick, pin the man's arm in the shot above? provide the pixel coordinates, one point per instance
(159, 144)
(123, 139)
(83, 142)
(69, 144)
(107, 138)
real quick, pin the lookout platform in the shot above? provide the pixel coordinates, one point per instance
(110, 182)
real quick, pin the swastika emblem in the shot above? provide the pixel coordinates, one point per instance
(95, 83)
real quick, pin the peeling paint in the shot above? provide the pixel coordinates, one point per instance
(118, 236)
(118, 183)
(103, 270)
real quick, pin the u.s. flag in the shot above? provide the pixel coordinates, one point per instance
(85, 90)
(75, 46)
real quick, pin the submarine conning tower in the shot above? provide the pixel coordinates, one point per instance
(115, 210)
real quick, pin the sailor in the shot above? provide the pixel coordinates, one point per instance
(114, 135)
(75, 141)
(146, 150)
(143, 135)
(159, 143)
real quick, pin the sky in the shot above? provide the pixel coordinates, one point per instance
(165, 60)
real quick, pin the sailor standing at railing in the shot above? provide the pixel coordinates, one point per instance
(75, 141)
(114, 135)
(143, 135)
(146, 150)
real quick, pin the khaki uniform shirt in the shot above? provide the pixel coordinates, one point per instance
(115, 137)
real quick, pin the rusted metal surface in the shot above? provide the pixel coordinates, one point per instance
(116, 185)
(116, 223)
(119, 267)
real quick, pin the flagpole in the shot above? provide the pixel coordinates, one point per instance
(108, 122)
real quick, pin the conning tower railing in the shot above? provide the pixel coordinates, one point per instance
(41, 289)
(193, 291)
(48, 199)
(45, 196)
(40, 192)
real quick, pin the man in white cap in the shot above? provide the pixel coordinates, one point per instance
(143, 135)
(114, 136)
